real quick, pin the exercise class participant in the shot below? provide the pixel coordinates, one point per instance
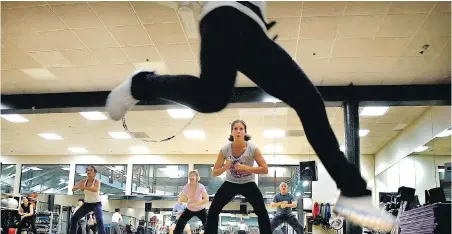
(237, 159)
(116, 219)
(27, 215)
(196, 195)
(234, 38)
(91, 187)
(81, 226)
(284, 202)
(177, 211)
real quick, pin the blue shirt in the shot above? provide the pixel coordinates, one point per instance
(179, 207)
(280, 198)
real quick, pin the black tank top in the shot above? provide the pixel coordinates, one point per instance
(26, 209)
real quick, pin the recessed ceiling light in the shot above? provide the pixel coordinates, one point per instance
(374, 110)
(194, 134)
(78, 150)
(180, 113)
(274, 133)
(421, 149)
(50, 136)
(363, 132)
(445, 133)
(15, 118)
(93, 115)
(139, 150)
(120, 135)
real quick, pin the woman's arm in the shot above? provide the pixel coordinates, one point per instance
(262, 165)
(96, 187)
(205, 198)
(220, 167)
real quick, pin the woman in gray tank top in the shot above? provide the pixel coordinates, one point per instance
(237, 159)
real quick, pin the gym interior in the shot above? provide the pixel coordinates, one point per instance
(383, 69)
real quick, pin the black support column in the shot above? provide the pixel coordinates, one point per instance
(352, 152)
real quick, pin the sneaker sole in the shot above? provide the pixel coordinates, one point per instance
(368, 221)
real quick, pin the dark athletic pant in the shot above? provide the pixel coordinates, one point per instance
(83, 211)
(226, 193)
(186, 216)
(31, 220)
(231, 42)
(289, 219)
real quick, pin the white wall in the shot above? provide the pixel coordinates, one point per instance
(426, 127)
(415, 171)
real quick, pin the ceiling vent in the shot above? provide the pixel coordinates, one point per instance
(294, 133)
(140, 135)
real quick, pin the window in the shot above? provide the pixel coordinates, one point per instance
(112, 177)
(51, 179)
(269, 183)
(159, 179)
(211, 183)
(7, 178)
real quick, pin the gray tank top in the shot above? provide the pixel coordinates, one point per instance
(246, 158)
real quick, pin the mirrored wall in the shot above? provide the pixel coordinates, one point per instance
(7, 178)
(113, 177)
(159, 179)
(40, 178)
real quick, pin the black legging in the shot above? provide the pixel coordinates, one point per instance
(231, 42)
(186, 216)
(224, 195)
(31, 220)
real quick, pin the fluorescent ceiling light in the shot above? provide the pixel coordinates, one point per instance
(15, 118)
(194, 134)
(374, 110)
(421, 149)
(274, 133)
(93, 115)
(445, 133)
(139, 150)
(50, 136)
(180, 113)
(78, 150)
(363, 132)
(119, 135)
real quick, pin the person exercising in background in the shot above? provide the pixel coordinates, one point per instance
(81, 228)
(27, 215)
(177, 211)
(284, 202)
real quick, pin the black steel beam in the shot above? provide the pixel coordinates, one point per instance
(388, 95)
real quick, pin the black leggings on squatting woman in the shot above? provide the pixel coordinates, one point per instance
(232, 42)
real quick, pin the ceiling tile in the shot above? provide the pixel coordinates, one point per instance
(442, 7)
(40, 74)
(423, 38)
(60, 40)
(196, 49)
(438, 24)
(21, 61)
(329, 8)
(338, 78)
(166, 33)
(50, 59)
(110, 55)
(175, 52)
(388, 47)
(65, 73)
(283, 9)
(320, 47)
(142, 54)
(289, 46)
(313, 66)
(5, 65)
(133, 35)
(95, 73)
(433, 77)
(443, 61)
(14, 76)
(401, 25)
(411, 7)
(121, 71)
(286, 28)
(397, 78)
(96, 37)
(411, 65)
(367, 8)
(188, 67)
(351, 47)
(243, 81)
(115, 13)
(40, 18)
(11, 23)
(152, 12)
(21, 4)
(318, 27)
(344, 65)
(377, 64)
(8, 46)
(369, 78)
(360, 26)
(9, 88)
(77, 15)
(30, 41)
(80, 57)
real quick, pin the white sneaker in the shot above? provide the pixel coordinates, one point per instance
(359, 210)
(120, 100)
